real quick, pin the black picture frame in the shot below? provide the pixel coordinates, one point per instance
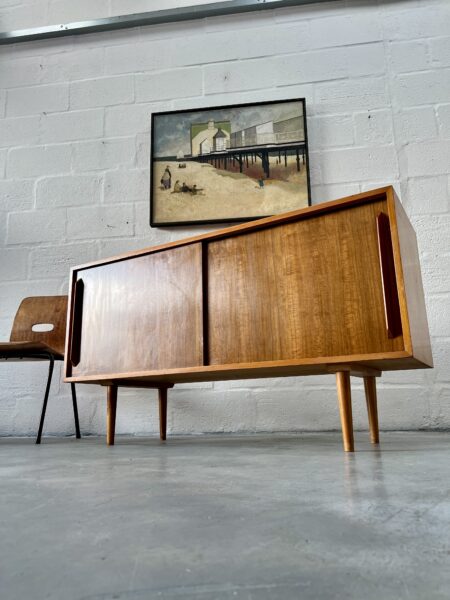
(230, 151)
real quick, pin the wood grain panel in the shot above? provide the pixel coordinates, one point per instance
(301, 290)
(411, 294)
(142, 314)
(41, 309)
(390, 361)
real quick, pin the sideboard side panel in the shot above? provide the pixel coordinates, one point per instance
(413, 291)
(300, 290)
(143, 313)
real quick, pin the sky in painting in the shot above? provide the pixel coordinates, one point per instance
(171, 132)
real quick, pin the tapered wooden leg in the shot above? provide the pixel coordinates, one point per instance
(162, 395)
(370, 388)
(345, 409)
(111, 414)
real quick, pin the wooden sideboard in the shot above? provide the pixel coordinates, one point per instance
(333, 288)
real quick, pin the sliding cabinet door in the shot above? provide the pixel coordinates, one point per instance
(307, 289)
(141, 314)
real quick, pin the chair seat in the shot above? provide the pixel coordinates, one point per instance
(26, 350)
(28, 342)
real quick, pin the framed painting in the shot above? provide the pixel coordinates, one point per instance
(228, 163)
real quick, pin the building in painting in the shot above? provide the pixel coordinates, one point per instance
(214, 143)
(271, 132)
(210, 137)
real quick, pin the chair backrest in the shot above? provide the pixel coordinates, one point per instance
(43, 311)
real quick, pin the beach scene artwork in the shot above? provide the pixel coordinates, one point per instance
(231, 163)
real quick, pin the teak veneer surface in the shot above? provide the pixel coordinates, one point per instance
(409, 277)
(144, 313)
(301, 290)
(284, 295)
(392, 361)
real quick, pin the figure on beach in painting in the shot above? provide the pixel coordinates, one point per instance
(186, 189)
(166, 179)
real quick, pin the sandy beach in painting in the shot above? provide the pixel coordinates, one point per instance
(223, 193)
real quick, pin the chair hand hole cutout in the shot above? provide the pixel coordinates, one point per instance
(42, 327)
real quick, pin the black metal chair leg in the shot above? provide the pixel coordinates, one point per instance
(44, 406)
(75, 411)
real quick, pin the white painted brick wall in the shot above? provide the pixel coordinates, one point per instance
(165, 85)
(68, 190)
(103, 154)
(416, 124)
(56, 261)
(36, 161)
(37, 99)
(20, 72)
(440, 52)
(443, 116)
(349, 95)
(63, 11)
(28, 227)
(106, 91)
(76, 65)
(126, 186)
(14, 264)
(130, 119)
(16, 195)
(2, 102)
(427, 195)
(73, 125)
(74, 175)
(373, 128)
(428, 158)
(123, 59)
(89, 222)
(3, 156)
(20, 130)
(429, 87)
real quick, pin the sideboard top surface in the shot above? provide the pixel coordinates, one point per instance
(382, 193)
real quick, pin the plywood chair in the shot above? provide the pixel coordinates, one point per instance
(38, 333)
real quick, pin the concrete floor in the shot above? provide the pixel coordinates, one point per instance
(226, 517)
